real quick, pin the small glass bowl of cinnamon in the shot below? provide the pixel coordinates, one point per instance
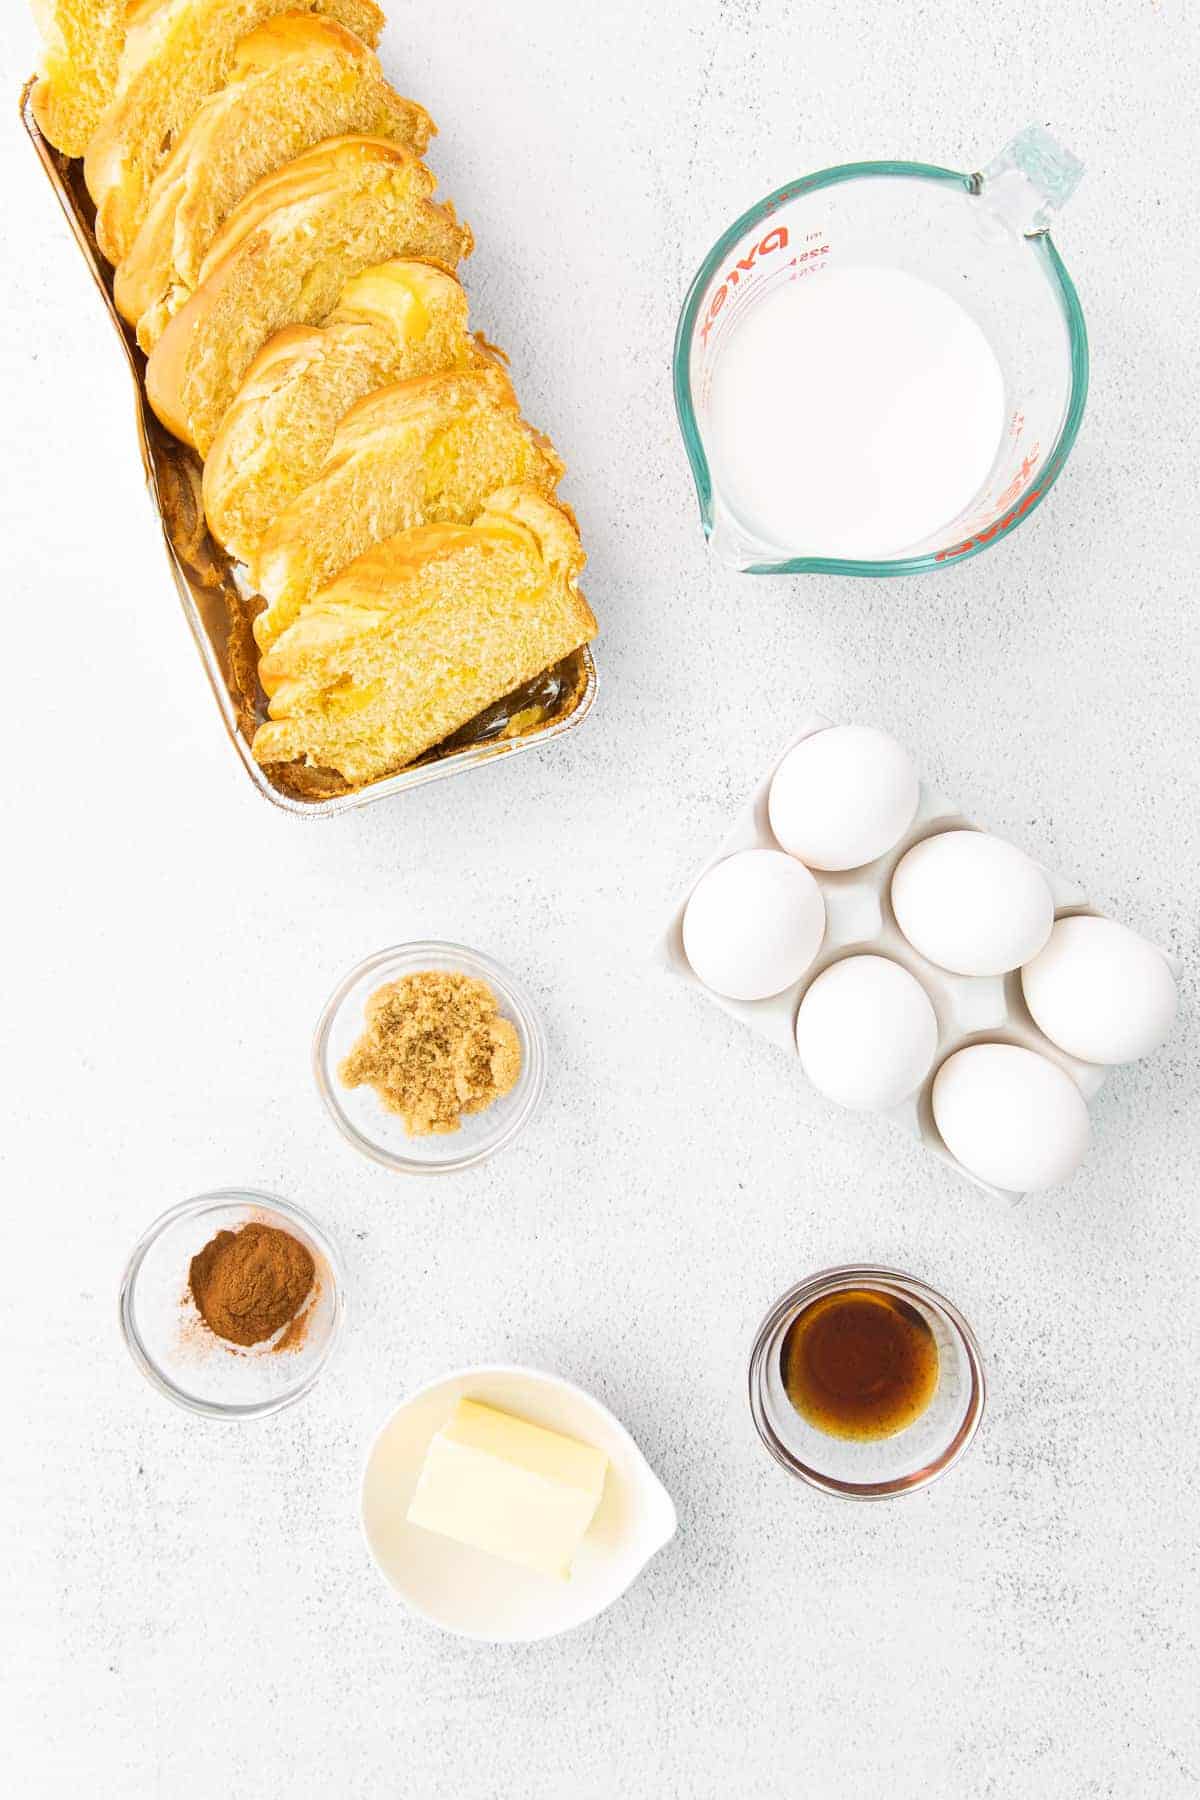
(489, 1121)
(231, 1303)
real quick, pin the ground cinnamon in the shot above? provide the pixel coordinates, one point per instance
(250, 1282)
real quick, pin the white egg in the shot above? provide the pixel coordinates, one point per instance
(753, 924)
(867, 1033)
(1011, 1117)
(972, 903)
(843, 797)
(1101, 992)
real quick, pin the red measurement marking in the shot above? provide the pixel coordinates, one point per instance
(985, 537)
(994, 507)
(1028, 464)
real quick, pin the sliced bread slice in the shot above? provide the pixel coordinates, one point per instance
(282, 258)
(395, 321)
(421, 633)
(82, 42)
(420, 452)
(176, 53)
(296, 80)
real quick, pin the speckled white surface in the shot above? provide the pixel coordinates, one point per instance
(192, 1612)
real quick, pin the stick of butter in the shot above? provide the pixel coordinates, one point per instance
(517, 1490)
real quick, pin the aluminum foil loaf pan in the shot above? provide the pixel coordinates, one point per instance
(220, 611)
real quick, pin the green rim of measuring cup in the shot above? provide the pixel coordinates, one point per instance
(1055, 273)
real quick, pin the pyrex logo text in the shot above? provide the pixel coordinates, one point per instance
(774, 240)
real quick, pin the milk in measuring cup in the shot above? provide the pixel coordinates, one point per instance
(853, 413)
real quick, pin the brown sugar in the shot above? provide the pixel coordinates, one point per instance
(249, 1283)
(435, 1049)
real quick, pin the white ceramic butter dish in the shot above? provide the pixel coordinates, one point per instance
(473, 1594)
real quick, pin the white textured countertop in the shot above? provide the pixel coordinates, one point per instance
(192, 1612)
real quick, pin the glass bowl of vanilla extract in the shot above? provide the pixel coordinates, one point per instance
(866, 1383)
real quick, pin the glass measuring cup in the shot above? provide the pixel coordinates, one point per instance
(984, 240)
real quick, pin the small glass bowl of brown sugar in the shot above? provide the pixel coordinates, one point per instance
(231, 1303)
(430, 1057)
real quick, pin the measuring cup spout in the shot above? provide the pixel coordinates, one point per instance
(728, 542)
(1029, 181)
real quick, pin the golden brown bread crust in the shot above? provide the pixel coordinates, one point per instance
(176, 53)
(82, 50)
(308, 177)
(282, 257)
(378, 576)
(422, 632)
(390, 409)
(395, 321)
(295, 81)
(387, 471)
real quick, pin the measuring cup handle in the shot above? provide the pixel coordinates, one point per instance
(1030, 180)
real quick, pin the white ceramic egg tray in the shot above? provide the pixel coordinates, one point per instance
(859, 919)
